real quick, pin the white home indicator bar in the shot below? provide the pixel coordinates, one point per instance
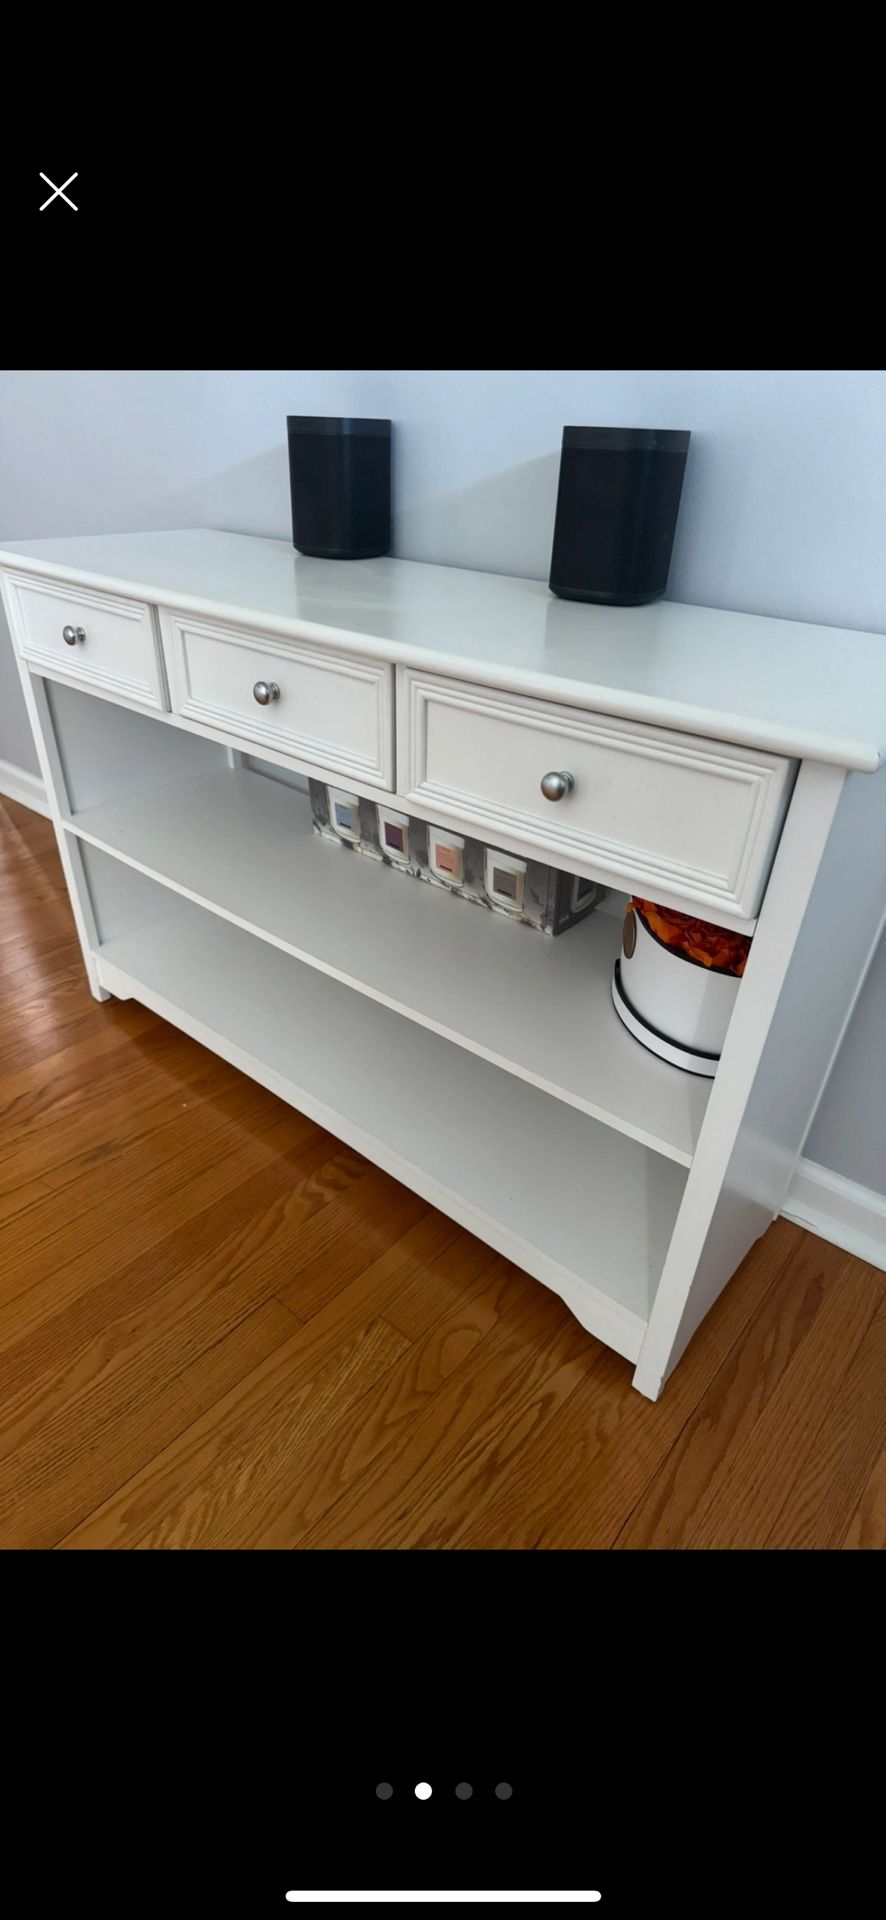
(302, 1897)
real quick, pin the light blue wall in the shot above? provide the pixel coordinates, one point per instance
(783, 507)
(784, 511)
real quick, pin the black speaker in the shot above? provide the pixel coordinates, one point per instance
(340, 486)
(617, 506)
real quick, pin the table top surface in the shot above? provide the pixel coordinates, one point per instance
(781, 685)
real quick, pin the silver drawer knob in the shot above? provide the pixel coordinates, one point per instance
(71, 635)
(265, 691)
(555, 786)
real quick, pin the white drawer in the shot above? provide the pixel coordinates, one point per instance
(111, 643)
(663, 813)
(332, 710)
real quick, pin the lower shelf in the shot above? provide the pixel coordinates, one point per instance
(587, 1211)
(540, 1008)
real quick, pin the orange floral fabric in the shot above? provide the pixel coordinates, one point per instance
(700, 940)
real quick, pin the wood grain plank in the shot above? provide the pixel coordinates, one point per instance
(732, 1401)
(182, 1498)
(734, 1467)
(163, 1408)
(222, 1215)
(122, 1213)
(822, 1502)
(423, 1268)
(509, 1430)
(138, 1505)
(503, 1382)
(70, 1432)
(750, 1489)
(190, 1290)
(211, 1101)
(50, 1025)
(23, 961)
(40, 1100)
(152, 1092)
(577, 1486)
(336, 1247)
(426, 1273)
(382, 1425)
(867, 1528)
(20, 1198)
(311, 1407)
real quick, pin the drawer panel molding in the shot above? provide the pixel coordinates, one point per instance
(329, 709)
(118, 645)
(649, 807)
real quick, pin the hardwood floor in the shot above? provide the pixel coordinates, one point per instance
(220, 1328)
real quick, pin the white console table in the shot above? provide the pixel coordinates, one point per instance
(181, 685)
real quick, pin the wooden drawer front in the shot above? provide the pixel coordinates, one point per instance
(119, 651)
(333, 711)
(659, 811)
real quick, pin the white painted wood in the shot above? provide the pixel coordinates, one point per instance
(663, 809)
(123, 900)
(109, 751)
(585, 1210)
(838, 1210)
(331, 706)
(782, 685)
(537, 1006)
(825, 975)
(52, 770)
(806, 965)
(120, 650)
(284, 775)
(225, 738)
(27, 788)
(604, 1213)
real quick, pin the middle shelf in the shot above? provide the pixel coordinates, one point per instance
(243, 846)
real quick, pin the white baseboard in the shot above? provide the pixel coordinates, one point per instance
(852, 1217)
(17, 784)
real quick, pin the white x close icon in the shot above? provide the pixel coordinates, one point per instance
(58, 193)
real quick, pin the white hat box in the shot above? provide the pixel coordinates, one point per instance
(672, 1004)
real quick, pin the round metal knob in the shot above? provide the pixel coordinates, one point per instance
(555, 786)
(265, 691)
(71, 635)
